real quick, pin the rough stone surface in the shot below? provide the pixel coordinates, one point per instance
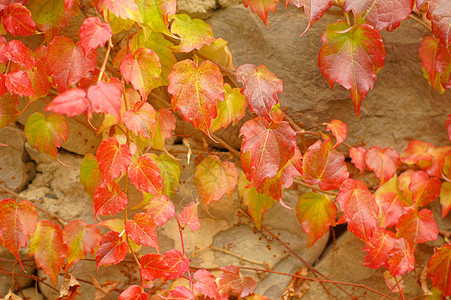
(31, 294)
(227, 3)
(401, 107)
(14, 171)
(6, 280)
(197, 9)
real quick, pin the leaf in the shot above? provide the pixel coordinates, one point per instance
(389, 200)
(214, 178)
(69, 288)
(153, 267)
(448, 127)
(18, 224)
(8, 110)
(19, 83)
(351, 57)
(66, 63)
(189, 216)
(133, 292)
(90, 176)
(424, 189)
(48, 248)
(194, 33)
(112, 250)
(383, 162)
(358, 158)
(359, 207)
(379, 248)
(113, 159)
(155, 13)
(170, 174)
(231, 280)
(205, 283)
(445, 198)
(429, 54)
(232, 109)
(178, 264)
(48, 15)
(316, 213)
(262, 7)
(313, 9)
(72, 102)
(104, 289)
(218, 52)
(106, 97)
(417, 227)
(141, 120)
(145, 175)
(165, 124)
(426, 156)
(17, 20)
(46, 134)
(438, 13)
(19, 53)
(93, 33)
(195, 91)
(109, 199)
(80, 239)
(338, 129)
(324, 166)
(125, 9)
(380, 14)
(439, 269)
(142, 70)
(160, 209)
(266, 148)
(142, 230)
(180, 293)
(402, 259)
(257, 203)
(260, 87)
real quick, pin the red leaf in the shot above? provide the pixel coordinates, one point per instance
(93, 33)
(109, 199)
(18, 224)
(324, 166)
(266, 148)
(262, 7)
(379, 248)
(66, 63)
(380, 14)
(72, 102)
(352, 57)
(141, 120)
(439, 14)
(19, 53)
(417, 227)
(142, 69)
(439, 269)
(106, 97)
(402, 259)
(133, 292)
(18, 21)
(231, 280)
(388, 199)
(424, 189)
(114, 159)
(189, 217)
(445, 198)
(125, 9)
(153, 267)
(112, 250)
(214, 179)
(180, 293)
(431, 54)
(205, 283)
(160, 209)
(359, 207)
(195, 91)
(448, 127)
(260, 87)
(316, 213)
(313, 9)
(338, 129)
(19, 83)
(383, 162)
(48, 248)
(145, 175)
(178, 264)
(358, 158)
(142, 230)
(80, 239)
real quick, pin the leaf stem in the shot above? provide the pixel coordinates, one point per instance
(419, 21)
(241, 257)
(298, 181)
(107, 54)
(183, 250)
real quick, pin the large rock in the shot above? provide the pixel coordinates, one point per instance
(401, 107)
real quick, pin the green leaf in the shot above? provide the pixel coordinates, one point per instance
(90, 176)
(155, 13)
(219, 53)
(48, 15)
(316, 212)
(170, 173)
(46, 134)
(194, 33)
(231, 110)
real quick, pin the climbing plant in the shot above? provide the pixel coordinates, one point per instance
(90, 76)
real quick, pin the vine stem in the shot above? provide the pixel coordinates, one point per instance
(107, 54)
(237, 255)
(300, 182)
(419, 21)
(35, 278)
(183, 250)
(37, 206)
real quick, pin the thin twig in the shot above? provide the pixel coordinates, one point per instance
(237, 255)
(105, 60)
(226, 145)
(35, 278)
(298, 181)
(183, 249)
(421, 22)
